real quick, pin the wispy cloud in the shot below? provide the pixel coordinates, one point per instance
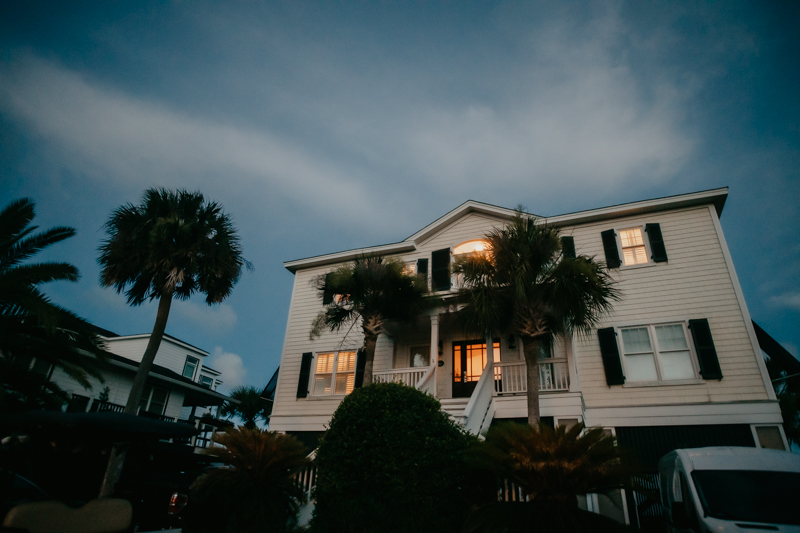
(231, 367)
(789, 299)
(217, 319)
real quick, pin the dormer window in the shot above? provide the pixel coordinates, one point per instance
(190, 367)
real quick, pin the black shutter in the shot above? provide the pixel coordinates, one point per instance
(422, 267)
(610, 248)
(568, 247)
(610, 353)
(656, 243)
(305, 374)
(361, 362)
(704, 345)
(327, 295)
(440, 270)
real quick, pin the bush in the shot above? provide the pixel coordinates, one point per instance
(391, 461)
(258, 494)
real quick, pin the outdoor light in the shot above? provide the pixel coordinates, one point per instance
(512, 342)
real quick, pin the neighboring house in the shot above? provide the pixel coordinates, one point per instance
(675, 364)
(179, 387)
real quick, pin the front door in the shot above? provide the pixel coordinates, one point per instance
(469, 360)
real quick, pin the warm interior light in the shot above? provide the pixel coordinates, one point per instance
(470, 247)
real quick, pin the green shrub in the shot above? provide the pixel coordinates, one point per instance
(391, 461)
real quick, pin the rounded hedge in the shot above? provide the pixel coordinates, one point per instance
(391, 460)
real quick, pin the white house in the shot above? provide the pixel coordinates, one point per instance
(675, 364)
(179, 387)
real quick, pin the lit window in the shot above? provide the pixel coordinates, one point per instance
(657, 353)
(633, 248)
(190, 367)
(470, 247)
(335, 373)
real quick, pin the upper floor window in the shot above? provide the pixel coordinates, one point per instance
(469, 247)
(657, 353)
(335, 373)
(634, 251)
(190, 367)
(206, 381)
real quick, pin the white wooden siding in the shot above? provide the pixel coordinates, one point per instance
(170, 354)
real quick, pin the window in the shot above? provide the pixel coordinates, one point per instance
(335, 373)
(657, 353)
(633, 248)
(154, 400)
(470, 247)
(420, 356)
(206, 381)
(190, 367)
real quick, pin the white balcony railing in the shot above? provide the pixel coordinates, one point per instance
(511, 378)
(407, 376)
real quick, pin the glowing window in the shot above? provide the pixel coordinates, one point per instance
(633, 248)
(335, 373)
(470, 247)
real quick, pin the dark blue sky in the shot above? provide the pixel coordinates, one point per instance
(328, 126)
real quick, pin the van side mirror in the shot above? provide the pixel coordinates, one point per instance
(680, 517)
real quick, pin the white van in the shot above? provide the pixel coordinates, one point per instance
(719, 489)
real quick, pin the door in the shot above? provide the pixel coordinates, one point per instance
(469, 360)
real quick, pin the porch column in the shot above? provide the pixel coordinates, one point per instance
(435, 352)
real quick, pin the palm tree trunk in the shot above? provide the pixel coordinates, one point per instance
(117, 458)
(371, 326)
(531, 347)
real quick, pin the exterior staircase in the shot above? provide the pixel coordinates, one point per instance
(455, 407)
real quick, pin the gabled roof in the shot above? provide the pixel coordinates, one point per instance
(715, 197)
(166, 337)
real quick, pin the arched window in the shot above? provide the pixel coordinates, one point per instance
(477, 245)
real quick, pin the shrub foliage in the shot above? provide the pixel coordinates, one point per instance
(391, 461)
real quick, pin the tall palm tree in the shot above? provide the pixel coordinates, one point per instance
(523, 281)
(31, 326)
(552, 467)
(371, 291)
(172, 245)
(251, 407)
(259, 493)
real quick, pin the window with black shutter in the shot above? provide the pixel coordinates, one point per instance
(704, 346)
(610, 353)
(305, 374)
(422, 268)
(440, 270)
(610, 249)
(568, 247)
(657, 248)
(361, 360)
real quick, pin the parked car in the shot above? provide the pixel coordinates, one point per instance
(723, 489)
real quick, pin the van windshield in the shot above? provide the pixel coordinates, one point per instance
(751, 496)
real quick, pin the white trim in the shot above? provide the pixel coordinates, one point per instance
(656, 351)
(786, 446)
(348, 255)
(166, 337)
(752, 412)
(748, 322)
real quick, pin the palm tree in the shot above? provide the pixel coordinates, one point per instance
(172, 245)
(259, 494)
(371, 290)
(523, 281)
(251, 407)
(36, 334)
(552, 467)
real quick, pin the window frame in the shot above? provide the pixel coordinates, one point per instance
(657, 351)
(645, 240)
(186, 364)
(333, 374)
(152, 389)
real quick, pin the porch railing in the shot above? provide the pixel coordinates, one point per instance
(407, 376)
(511, 378)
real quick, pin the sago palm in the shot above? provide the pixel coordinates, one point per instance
(552, 467)
(171, 246)
(522, 282)
(371, 291)
(31, 326)
(259, 493)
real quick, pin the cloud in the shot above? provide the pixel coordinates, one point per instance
(217, 319)
(789, 299)
(230, 366)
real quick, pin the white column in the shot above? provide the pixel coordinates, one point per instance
(435, 352)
